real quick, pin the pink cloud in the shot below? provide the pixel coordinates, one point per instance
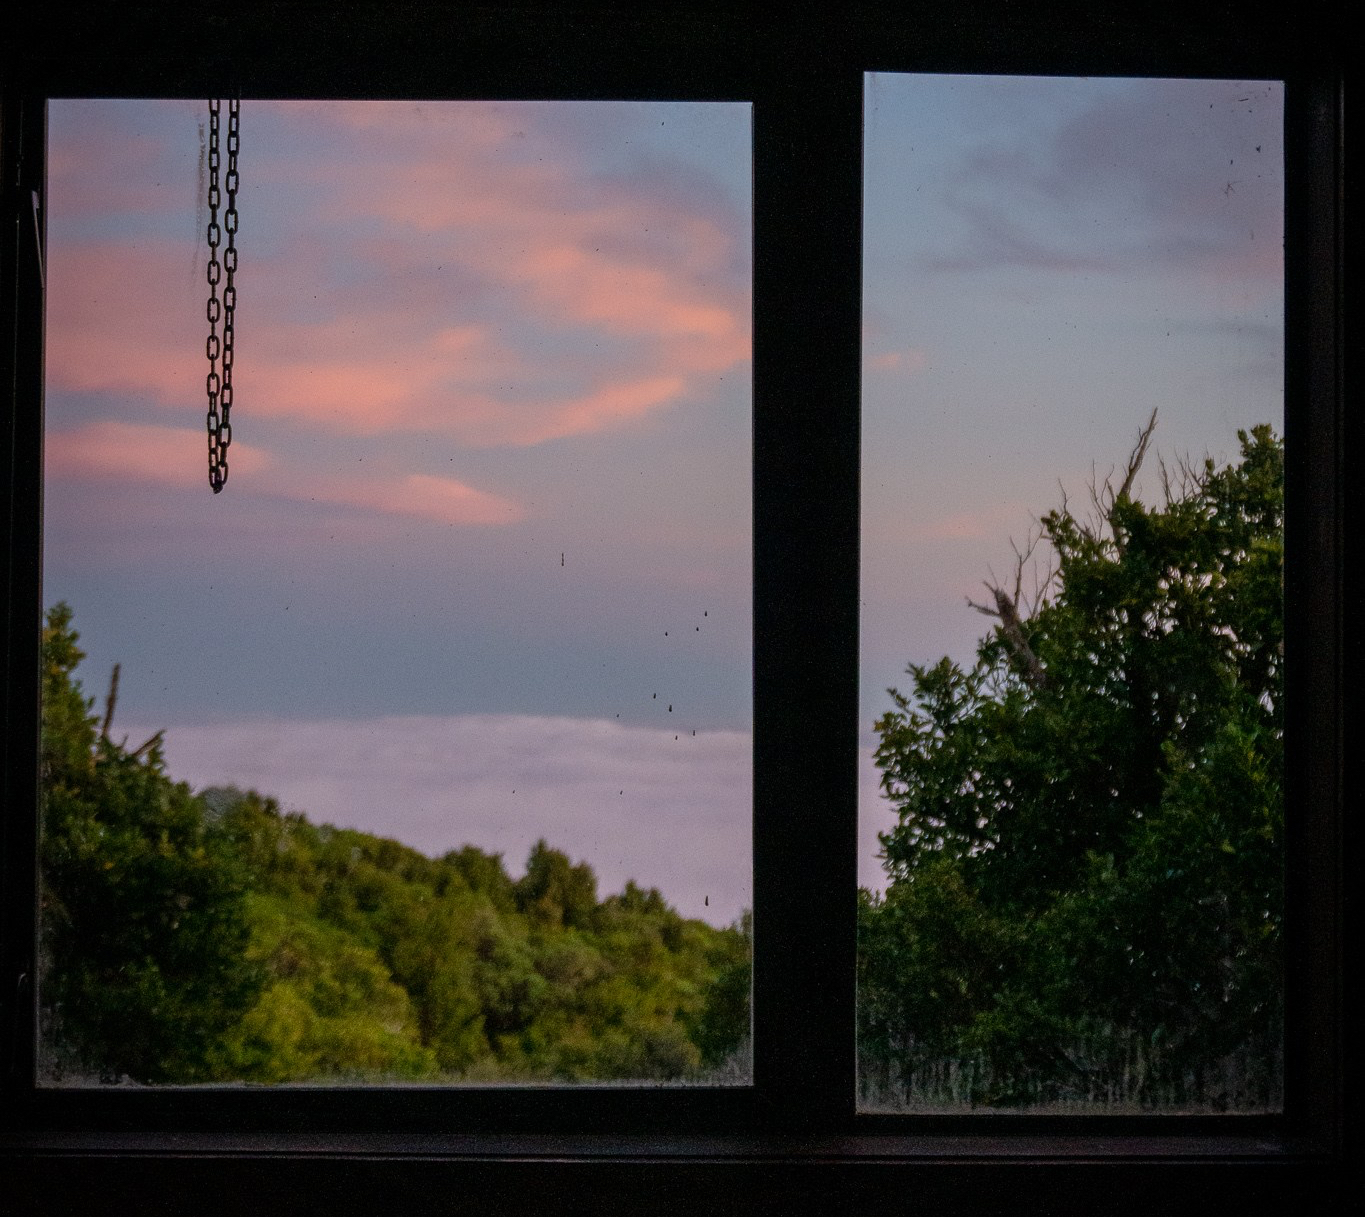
(624, 297)
(125, 317)
(434, 383)
(898, 361)
(576, 254)
(1249, 275)
(420, 495)
(164, 456)
(176, 457)
(994, 521)
(496, 423)
(129, 319)
(959, 526)
(489, 124)
(355, 395)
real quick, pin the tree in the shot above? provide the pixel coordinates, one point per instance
(722, 1032)
(381, 962)
(555, 892)
(142, 900)
(329, 1011)
(1085, 881)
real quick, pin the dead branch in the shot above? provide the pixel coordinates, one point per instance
(1182, 481)
(149, 744)
(1005, 605)
(1023, 558)
(1006, 612)
(109, 703)
(1135, 458)
(1103, 496)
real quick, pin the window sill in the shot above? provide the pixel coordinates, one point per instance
(370, 1173)
(1249, 1146)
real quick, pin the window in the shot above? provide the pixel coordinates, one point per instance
(480, 578)
(795, 1135)
(1033, 303)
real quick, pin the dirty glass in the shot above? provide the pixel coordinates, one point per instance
(1071, 810)
(422, 752)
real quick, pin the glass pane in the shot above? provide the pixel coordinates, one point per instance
(455, 671)
(1071, 806)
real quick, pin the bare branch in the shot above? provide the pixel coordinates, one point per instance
(109, 703)
(1013, 630)
(1004, 606)
(1006, 611)
(1096, 497)
(1102, 501)
(1192, 479)
(1135, 457)
(1041, 585)
(149, 744)
(989, 610)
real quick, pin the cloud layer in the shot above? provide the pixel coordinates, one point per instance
(1157, 176)
(669, 810)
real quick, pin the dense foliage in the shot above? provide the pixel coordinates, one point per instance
(1085, 887)
(143, 906)
(215, 938)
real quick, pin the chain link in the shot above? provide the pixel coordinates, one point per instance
(220, 350)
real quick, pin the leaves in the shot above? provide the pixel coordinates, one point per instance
(143, 901)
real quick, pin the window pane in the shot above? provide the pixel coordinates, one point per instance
(1071, 810)
(457, 666)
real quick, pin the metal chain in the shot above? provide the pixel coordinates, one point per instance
(220, 386)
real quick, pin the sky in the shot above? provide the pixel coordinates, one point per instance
(481, 571)
(1046, 261)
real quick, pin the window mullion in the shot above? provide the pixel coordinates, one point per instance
(807, 294)
(1318, 689)
(22, 134)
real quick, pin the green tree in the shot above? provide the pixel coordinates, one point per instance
(142, 911)
(483, 873)
(722, 1029)
(1085, 882)
(555, 892)
(330, 1010)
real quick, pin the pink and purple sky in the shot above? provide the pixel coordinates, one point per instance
(482, 565)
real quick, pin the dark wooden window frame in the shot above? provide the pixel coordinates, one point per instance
(794, 1137)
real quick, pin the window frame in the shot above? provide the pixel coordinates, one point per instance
(795, 1133)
